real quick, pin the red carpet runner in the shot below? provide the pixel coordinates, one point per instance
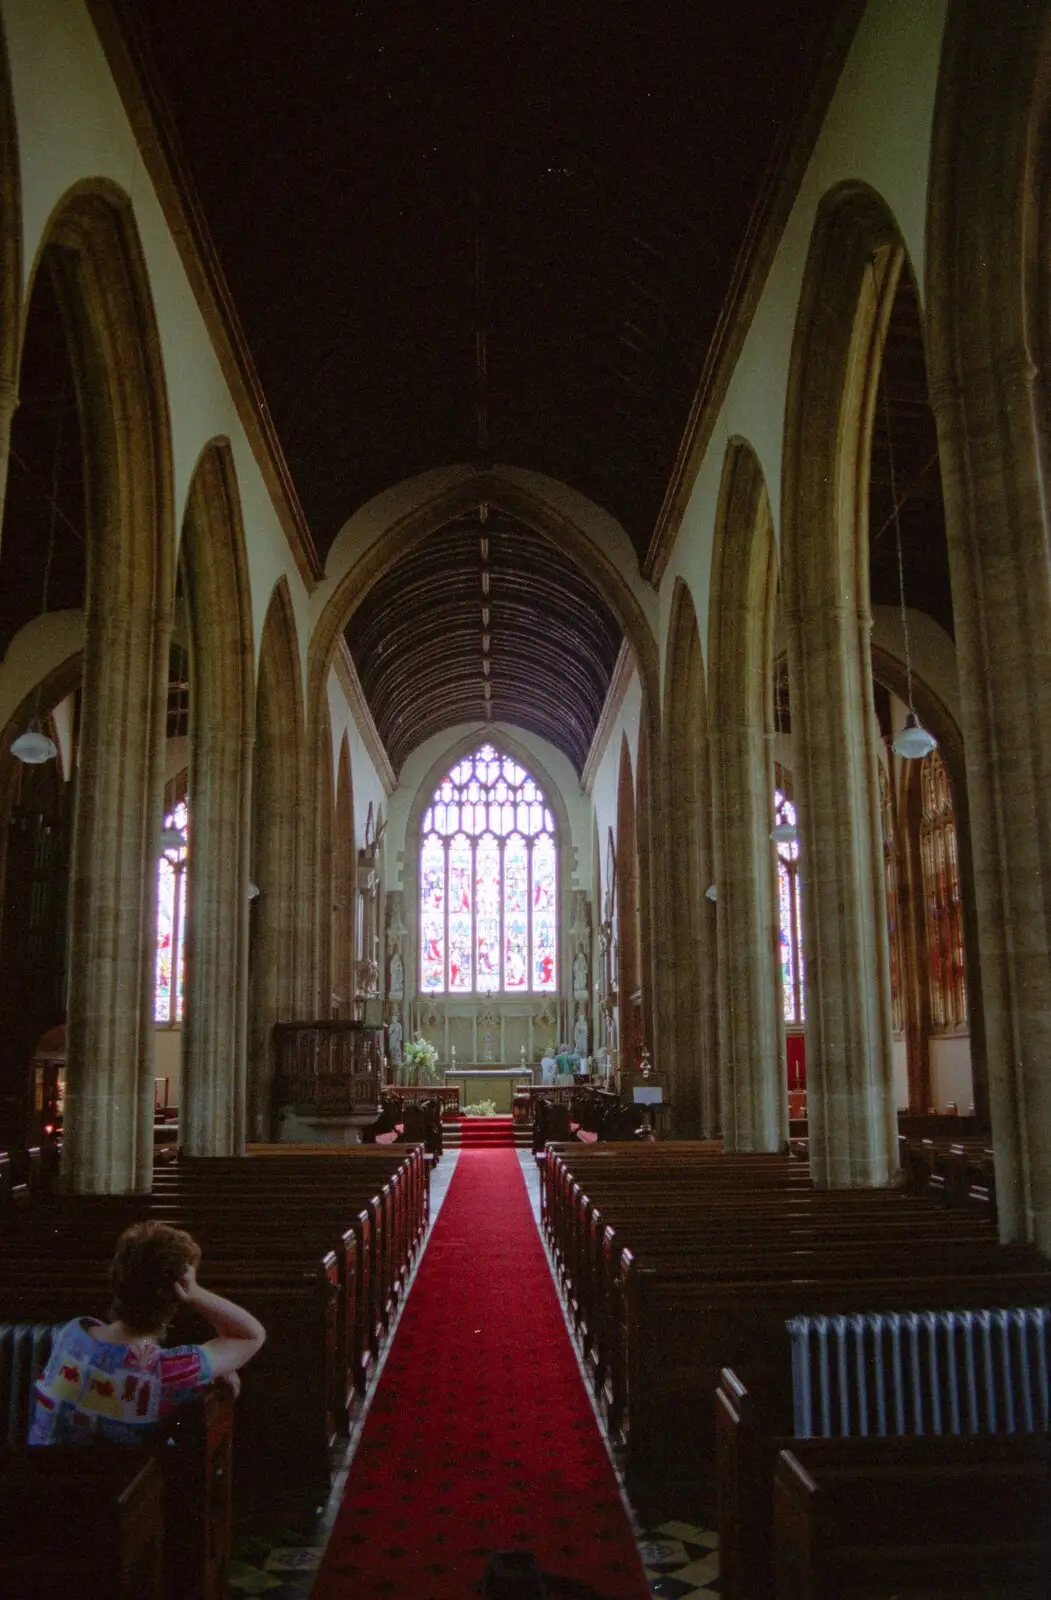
(481, 1436)
(486, 1133)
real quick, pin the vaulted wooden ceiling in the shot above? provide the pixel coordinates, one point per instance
(488, 231)
(485, 621)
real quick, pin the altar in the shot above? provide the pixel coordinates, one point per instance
(488, 1083)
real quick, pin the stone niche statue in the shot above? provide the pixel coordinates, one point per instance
(395, 1038)
(397, 974)
(580, 1033)
(580, 975)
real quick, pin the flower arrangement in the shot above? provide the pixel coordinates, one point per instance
(421, 1059)
(480, 1108)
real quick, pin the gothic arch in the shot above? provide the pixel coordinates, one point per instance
(694, 1089)
(741, 634)
(222, 723)
(988, 292)
(277, 805)
(103, 289)
(505, 741)
(850, 278)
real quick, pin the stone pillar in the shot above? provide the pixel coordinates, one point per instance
(213, 1088)
(850, 1101)
(753, 1088)
(109, 1027)
(996, 518)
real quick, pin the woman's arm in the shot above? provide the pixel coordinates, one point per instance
(240, 1334)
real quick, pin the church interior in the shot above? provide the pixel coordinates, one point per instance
(525, 674)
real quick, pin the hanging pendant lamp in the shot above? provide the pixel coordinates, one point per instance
(34, 747)
(171, 839)
(784, 833)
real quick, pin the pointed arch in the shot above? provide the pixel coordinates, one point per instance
(222, 723)
(694, 1089)
(855, 258)
(277, 806)
(103, 290)
(741, 630)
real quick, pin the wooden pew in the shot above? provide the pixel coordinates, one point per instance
(78, 1527)
(919, 1519)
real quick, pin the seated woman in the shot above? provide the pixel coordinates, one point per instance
(113, 1381)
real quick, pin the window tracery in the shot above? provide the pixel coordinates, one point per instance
(168, 990)
(790, 911)
(943, 913)
(488, 882)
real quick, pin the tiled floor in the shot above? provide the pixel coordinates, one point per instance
(681, 1561)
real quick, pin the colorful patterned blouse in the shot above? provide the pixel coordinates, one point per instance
(94, 1390)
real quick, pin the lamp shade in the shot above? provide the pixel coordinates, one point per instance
(712, 892)
(253, 891)
(33, 747)
(784, 833)
(914, 742)
(172, 839)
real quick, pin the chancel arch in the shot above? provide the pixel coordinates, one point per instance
(852, 274)
(741, 633)
(695, 1087)
(222, 730)
(277, 804)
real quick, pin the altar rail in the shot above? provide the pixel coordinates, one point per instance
(333, 1067)
(559, 1093)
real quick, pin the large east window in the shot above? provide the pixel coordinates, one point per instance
(488, 882)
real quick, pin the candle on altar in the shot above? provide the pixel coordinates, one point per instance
(453, 1054)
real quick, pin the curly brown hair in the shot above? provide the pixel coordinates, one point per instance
(150, 1259)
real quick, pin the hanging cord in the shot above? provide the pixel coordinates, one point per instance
(897, 522)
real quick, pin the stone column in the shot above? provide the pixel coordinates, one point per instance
(213, 1088)
(109, 1034)
(850, 1101)
(997, 517)
(753, 1089)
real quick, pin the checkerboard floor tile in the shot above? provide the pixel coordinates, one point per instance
(681, 1560)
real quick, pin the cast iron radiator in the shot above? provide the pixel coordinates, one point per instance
(921, 1372)
(24, 1349)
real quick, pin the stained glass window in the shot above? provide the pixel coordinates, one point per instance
(790, 912)
(943, 914)
(488, 882)
(171, 917)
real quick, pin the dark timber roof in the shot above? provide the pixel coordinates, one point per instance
(473, 594)
(489, 231)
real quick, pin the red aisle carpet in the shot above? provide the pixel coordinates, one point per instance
(481, 1436)
(486, 1133)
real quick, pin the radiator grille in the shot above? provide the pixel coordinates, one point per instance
(24, 1349)
(921, 1372)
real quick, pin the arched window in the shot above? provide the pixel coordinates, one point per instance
(488, 882)
(171, 909)
(943, 913)
(790, 915)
